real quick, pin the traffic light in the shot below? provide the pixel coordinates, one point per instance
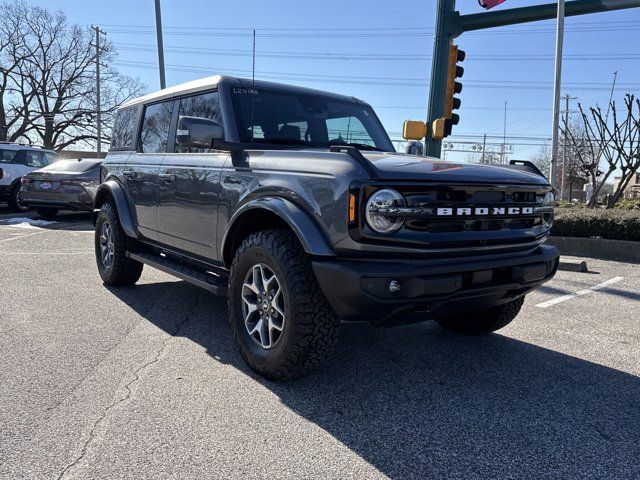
(442, 127)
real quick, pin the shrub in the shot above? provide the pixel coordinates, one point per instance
(610, 224)
(628, 205)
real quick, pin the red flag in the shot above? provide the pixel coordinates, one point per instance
(490, 3)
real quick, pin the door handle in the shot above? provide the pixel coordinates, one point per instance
(167, 177)
(129, 172)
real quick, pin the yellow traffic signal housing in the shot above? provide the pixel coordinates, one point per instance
(414, 130)
(438, 129)
(452, 103)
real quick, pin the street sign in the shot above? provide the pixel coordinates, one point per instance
(490, 3)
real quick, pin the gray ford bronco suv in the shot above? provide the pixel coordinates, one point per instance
(294, 204)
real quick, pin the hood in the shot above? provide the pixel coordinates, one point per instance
(412, 167)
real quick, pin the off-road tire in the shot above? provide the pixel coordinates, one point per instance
(122, 271)
(483, 321)
(13, 202)
(47, 213)
(310, 331)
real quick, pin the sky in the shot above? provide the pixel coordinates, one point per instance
(379, 51)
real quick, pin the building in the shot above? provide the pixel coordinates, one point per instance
(632, 192)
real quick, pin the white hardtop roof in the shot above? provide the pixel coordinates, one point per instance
(22, 146)
(181, 89)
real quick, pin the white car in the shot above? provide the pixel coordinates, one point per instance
(16, 160)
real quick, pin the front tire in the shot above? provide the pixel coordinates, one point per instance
(47, 213)
(282, 322)
(483, 322)
(111, 243)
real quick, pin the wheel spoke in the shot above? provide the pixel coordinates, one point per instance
(262, 293)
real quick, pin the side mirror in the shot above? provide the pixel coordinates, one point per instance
(198, 132)
(414, 148)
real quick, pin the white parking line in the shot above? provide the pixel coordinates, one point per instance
(579, 293)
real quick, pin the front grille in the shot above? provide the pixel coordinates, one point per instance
(446, 217)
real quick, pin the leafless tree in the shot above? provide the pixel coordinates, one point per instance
(608, 146)
(51, 85)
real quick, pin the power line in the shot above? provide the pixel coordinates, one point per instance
(385, 81)
(371, 57)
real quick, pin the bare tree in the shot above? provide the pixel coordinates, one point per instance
(52, 81)
(614, 143)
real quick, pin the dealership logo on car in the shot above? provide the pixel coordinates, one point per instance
(480, 211)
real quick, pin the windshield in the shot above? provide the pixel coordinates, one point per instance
(288, 118)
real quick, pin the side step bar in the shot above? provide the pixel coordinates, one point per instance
(208, 281)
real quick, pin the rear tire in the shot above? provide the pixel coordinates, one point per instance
(286, 328)
(111, 245)
(14, 201)
(485, 321)
(47, 213)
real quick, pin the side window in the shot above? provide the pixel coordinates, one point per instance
(34, 159)
(123, 127)
(155, 127)
(205, 105)
(348, 129)
(7, 156)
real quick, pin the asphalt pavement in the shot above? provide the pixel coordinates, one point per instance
(146, 382)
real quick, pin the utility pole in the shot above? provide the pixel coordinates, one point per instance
(98, 102)
(504, 136)
(565, 140)
(163, 83)
(556, 95)
(484, 147)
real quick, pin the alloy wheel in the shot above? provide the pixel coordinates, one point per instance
(106, 245)
(263, 306)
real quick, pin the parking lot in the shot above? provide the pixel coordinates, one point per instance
(146, 382)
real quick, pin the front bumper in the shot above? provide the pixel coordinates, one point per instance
(358, 289)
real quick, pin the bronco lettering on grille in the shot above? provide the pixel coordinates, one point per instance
(483, 211)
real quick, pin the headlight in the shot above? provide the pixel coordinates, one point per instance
(549, 200)
(380, 211)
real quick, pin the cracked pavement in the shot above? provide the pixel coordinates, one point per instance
(146, 382)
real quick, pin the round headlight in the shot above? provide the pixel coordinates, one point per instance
(549, 200)
(380, 215)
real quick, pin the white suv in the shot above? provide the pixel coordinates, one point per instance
(17, 160)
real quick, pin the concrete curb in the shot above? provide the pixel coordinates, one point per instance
(620, 250)
(573, 266)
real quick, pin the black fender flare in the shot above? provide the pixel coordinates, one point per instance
(114, 190)
(311, 237)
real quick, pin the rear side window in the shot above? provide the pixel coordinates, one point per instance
(7, 155)
(123, 127)
(205, 105)
(155, 127)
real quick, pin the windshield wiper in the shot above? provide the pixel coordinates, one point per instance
(359, 146)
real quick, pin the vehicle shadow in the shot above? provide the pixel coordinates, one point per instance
(418, 402)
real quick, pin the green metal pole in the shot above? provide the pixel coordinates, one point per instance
(478, 21)
(445, 10)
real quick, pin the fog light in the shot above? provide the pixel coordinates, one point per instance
(394, 287)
